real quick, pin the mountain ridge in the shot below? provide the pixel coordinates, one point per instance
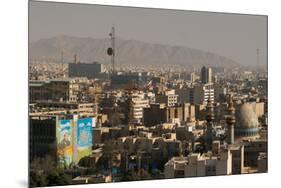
(90, 49)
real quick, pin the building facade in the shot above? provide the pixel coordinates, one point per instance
(168, 97)
(63, 90)
(206, 75)
(89, 70)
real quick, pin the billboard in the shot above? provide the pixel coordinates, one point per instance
(84, 137)
(64, 142)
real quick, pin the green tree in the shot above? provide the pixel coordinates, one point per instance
(43, 172)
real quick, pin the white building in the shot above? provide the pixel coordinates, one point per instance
(168, 97)
(138, 103)
(175, 168)
(196, 165)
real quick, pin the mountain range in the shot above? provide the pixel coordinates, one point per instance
(127, 52)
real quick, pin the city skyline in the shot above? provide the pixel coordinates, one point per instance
(114, 110)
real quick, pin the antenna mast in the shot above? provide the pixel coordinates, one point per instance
(112, 37)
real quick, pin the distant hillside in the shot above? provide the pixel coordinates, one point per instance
(128, 52)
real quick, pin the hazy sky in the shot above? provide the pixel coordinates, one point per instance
(231, 35)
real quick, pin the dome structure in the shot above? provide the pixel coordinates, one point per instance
(247, 121)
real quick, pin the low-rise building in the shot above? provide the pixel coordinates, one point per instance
(91, 179)
(64, 90)
(197, 165)
(262, 163)
(160, 113)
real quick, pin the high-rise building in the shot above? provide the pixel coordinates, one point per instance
(192, 77)
(206, 75)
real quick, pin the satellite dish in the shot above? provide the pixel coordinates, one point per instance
(110, 51)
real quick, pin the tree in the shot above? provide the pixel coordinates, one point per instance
(58, 177)
(43, 172)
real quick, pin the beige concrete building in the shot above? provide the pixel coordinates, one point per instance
(262, 163)
(58, 108)
(196, 165)
(237, 152)
(168, 97)
(160, 113)
(63, 90)
(175, 168)
(167, 145)
(91, 179)
(197, 94)
(184, 113)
